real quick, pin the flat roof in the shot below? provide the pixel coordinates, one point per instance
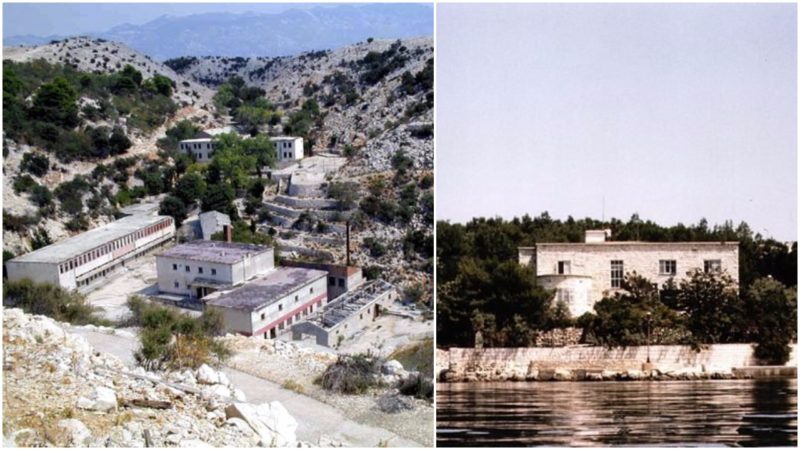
(284, 138)
(349, 303)
(214, 251)
(267, 289)
(77, 245)
(631, 244)
(197, 140)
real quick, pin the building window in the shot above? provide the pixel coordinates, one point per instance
(174, 267)
(188, 269)
(564, 295)
(263, 316)
(341, 282)
(280, 307)
(332, 281)
(617, 272)
(177, 285)
(213, 271)
(296, 298)
(311, 290)
(667, 267)
(199, 270)
(712, 265)
(564, 268)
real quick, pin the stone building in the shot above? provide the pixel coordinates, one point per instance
(198, 268)
(583, 273)
(84, 260)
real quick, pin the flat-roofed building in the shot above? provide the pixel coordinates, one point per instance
(288, 148)
(270, 304)
(341, 278)
(84, 260)
(197, 268)
(583, 273)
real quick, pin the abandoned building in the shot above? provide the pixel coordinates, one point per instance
(583, 273)
(288, 148)
(272, 303)
(198, 268)
(204, 226)
(84, 260)
(347, 314)
(341, 277)
(201, 145)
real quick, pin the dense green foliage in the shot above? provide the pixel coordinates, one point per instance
(54, 119)
(772, 310)
(49, 300)
(481, 286)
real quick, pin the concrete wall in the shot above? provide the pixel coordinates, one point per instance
(168, 275)
(314, 203)
(594, 260)
(39, 273)
(579, 289)
(290, 308)
(721, 357)
(289, 149)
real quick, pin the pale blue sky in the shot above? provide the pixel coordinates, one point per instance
(676, 112)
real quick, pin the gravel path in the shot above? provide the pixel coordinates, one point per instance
(314, 418)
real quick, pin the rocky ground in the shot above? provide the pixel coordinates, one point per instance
(59, 391)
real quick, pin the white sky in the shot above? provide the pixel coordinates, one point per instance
(677, 112)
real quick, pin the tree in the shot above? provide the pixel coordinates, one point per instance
(714, 312)
(56, 103)
(173, 206)
(230, 162)
(35, 164)
(262, 149)
(190, 188)
(218, 197)
(772, 309)
(162, 85)
(118, 142)
(346, 193)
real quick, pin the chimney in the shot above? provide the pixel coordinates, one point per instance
(597, 236)
(226, 231)
(347, 238)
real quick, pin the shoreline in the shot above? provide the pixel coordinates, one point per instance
(567, 375)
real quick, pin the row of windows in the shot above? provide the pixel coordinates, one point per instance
(188, 268)
(288, 322)
(111, 246)
(665, 267)
(286, 144)
(332, 281)
(287, 154)
(195, 146)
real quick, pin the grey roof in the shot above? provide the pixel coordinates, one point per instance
(610, 244)
(211, 222)
(77, 245)
(350, 303)
(214, 251)
(267, 289)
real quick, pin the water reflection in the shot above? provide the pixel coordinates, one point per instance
(733, 412)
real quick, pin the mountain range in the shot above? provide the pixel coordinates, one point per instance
(260, 34)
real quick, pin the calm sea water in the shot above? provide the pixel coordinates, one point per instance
(665, 413)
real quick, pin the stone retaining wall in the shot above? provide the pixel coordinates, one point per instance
(519, 363)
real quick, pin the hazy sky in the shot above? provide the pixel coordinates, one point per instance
(677, 112)
(44, 19)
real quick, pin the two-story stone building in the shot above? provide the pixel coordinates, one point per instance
(583, 273)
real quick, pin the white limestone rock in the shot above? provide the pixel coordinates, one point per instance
(207, 375)
(77, 432)
(391, 367)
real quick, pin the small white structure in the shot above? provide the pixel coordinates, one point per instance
(197, 268)
(583, 273)
(270, 304)
(288, 148)
(84, 260)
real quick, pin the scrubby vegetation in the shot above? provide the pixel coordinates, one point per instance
(65, 103)
(51, 301)
(352, 374)
(173, 340)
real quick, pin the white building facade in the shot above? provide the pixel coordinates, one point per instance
(271, 304)
(583, 273)
(201, 149)
(198, 268)
(288, 148)
(84, 260)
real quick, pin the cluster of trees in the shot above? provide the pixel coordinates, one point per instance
(55, 120)
(482, 287)
(49, 300)
(376, 65)
(246, 104)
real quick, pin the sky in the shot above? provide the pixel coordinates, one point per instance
(674, 112)
(45, 19)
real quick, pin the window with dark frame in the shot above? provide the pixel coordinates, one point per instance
(617, 273)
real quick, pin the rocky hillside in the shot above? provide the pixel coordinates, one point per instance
(371, 105)
(58, 391)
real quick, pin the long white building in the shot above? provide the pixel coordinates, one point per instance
(84, 260)
(583, 273)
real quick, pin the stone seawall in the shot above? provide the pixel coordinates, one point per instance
(575, 362)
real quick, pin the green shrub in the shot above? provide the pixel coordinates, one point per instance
(35, 164)
(49, 300)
